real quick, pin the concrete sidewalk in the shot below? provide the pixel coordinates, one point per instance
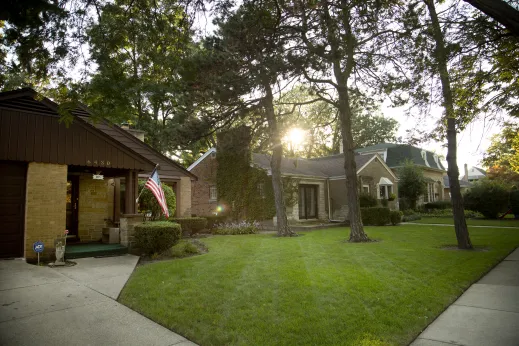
(446, 224)
(74, 306)
(486, 314)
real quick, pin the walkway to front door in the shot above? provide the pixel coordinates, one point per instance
(74, 306)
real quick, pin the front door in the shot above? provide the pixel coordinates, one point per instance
(72, 206)
(307, 201)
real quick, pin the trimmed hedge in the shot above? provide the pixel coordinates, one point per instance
(396, 217)
(375, 216)
(156, 236)
(192, 225)
(367, 200)
(236, 228)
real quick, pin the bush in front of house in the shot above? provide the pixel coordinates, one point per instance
(375, 216)
(396, 217)
(488, 197)
(156, 236)
(410, 218)
(148, 203)
(366, 200)
(239, 227)
(191, 225)
(214, 220)
(438, 205)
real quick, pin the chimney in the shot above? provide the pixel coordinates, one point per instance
(137, 133)
(466, 177)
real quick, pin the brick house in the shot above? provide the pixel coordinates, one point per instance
(82, 178)
(319, 184)
(394, 155)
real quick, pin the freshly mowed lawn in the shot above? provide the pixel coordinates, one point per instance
(314, 289)
(473, 222)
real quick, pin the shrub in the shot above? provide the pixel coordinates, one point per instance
(408, 212)
(404, 204)
(148, 203)
(234, 228)
(157, 236)
(377, 216)
(384, 202)
(191, 225)
(183, 249)
(215, 220)
(412, 183)
(367, 200)
(396, 217)
(439, 205)
(436, 213)
(472, 214)
(413, 217)
(489, 197)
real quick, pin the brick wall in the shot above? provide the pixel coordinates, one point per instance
(45, 207)
(96, 204)
(206, 173)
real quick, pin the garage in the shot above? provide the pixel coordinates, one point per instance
(12, 208)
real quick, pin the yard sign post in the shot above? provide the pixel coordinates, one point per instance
(38, 247)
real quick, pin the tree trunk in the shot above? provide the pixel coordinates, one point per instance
(275, 165)
(460, 225)
(352, 192)
(500, 11)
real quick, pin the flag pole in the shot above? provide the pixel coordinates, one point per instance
(137, 200)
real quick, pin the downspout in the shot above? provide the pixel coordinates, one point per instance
(329, 203)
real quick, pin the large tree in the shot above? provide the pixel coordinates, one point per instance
(500, 10)
(138, 46)
(343, 46)
(239, 71)
(502, 156)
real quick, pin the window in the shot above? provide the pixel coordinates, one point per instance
(213, 194)
(431, 192)
(385, 191)
(261, 190)
(365, 189)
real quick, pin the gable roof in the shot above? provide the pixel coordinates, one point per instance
(476, 172)
(320, 168)
(397, 154)
(28, 100)
(31, 131)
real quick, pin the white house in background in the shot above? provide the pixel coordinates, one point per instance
(474, 174)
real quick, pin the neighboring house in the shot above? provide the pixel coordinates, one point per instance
(474, 174)
(82, 177)
(321, 187)
(464, 186)
(395, 155)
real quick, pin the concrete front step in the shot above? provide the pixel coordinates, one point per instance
(85, 250)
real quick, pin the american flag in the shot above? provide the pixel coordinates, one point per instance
(153, 184)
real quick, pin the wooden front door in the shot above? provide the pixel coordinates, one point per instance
(307, 201)
(73, 206)
(12, 208)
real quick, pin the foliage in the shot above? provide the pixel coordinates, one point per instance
(408, 212)
(215, 220)
(410, 218)
(148, 203)
(137, 46)
(366, 200)
(438, 205)
(257, 268)
(448, 212)
(395, 217)
(375, 216)
(391, 197)
(191, 225)
(502, 156)
(489, 197)
(411, 184)
(238, 183)
(183, 249)
(157, 236)
(239, 227)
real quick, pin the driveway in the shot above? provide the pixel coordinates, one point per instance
(74, 306)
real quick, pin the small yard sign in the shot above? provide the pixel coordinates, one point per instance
(98, 177)
(38, 247)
